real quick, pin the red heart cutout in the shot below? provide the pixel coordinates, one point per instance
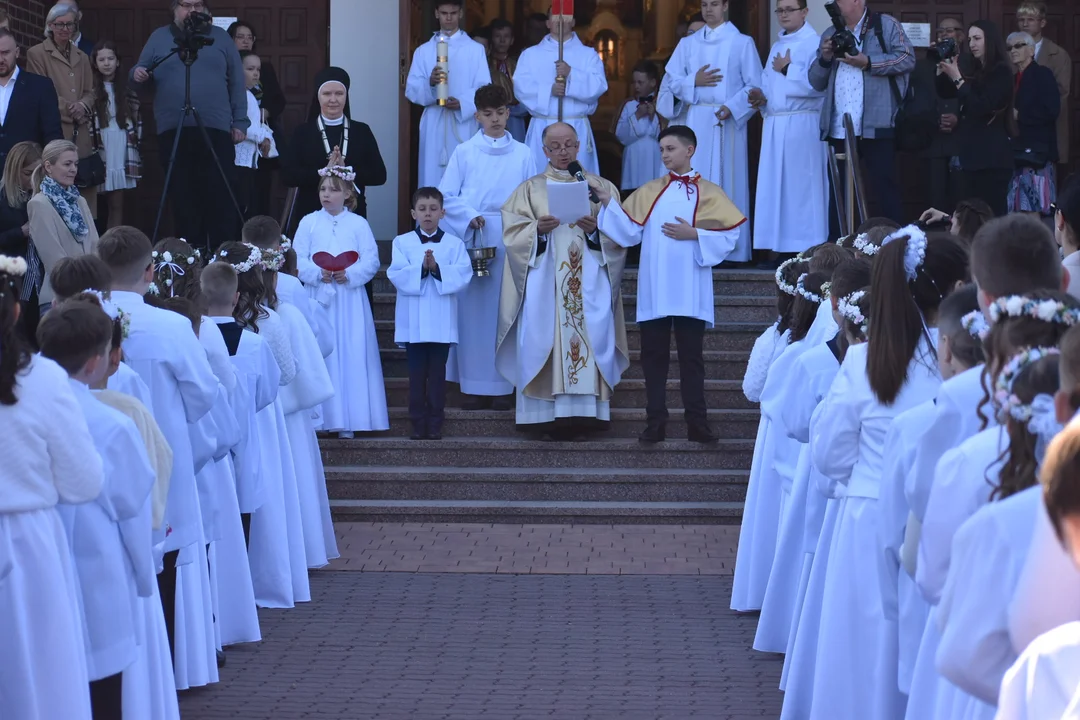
(335, 263)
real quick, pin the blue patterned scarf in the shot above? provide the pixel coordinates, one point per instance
(66, 202)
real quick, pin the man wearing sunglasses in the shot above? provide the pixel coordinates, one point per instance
(202, 207)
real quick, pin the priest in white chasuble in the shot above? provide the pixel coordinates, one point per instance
(541, 79)
(562, 337)
(712, 73)
(444, 127)
(791, 213)
(480, 177)
(686, 225)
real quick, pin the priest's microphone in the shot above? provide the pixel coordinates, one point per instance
(574, 168)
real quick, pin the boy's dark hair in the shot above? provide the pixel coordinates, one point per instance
(218, 284)
(426, 193)
(1068, 204)
(647, 68)
(75, 331)
(1060, 476)
(850, 275)
(262, 231)
(71, 275)
(247, 53)
(500, 24)
(965, 346)
(489, 97)
(126, 251)
(829, 256)
(970, 216)
(1014, 255)
(877, 222)
(680, 131)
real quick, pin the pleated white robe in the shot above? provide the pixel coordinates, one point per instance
(989, 551)
(442, 129)
(482, 174)
(721, 155)
(359, 402)
(792, 183)
(49, 456)
(533, 80)
(847, 443)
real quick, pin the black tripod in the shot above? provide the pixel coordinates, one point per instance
(188, 57)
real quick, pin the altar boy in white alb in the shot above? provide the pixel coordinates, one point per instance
(638, 127)
(428, 268)
(792, 186)
(685, 225)
(480, 177)
(711, 74)
(541, 79)
(444, 127)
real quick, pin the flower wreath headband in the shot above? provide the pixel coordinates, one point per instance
(274, 260)
(975, 323)
(113, 311)
(13, 266)
(862, 244)
(800, 289)
(341, 172)
(1018, 306)
(175, 264)
(254, 260)
(848, 307)
(786, 287)
(1039, 415)
(914, 253)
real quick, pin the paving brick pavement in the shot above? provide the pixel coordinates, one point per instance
(427, 646)
(559, 549)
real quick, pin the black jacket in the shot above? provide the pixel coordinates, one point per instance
(1038, 103)
(12, 241)
(34, 114)
(982, 131)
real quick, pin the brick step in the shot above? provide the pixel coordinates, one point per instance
(719, 364)
(726, 394)
(554, 485)
(469, 452)
(729, 308)
(724, 337)
(625, 423)
(536, 512)
(760, 283)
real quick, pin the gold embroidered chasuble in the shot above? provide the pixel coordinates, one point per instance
(578, 363)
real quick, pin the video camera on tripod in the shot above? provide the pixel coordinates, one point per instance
(195, 35)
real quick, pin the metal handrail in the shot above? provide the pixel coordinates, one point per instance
(851, 201)
(857, 183)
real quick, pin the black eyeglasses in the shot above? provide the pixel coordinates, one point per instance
(1018, 46)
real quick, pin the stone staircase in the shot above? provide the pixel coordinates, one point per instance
(484, 470)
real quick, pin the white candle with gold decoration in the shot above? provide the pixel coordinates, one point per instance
(442, 61)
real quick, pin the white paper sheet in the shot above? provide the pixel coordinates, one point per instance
(569, 202)
(918, 34)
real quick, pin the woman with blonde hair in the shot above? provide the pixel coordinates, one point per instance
(15, 192)
(59, 59)
(61, 224)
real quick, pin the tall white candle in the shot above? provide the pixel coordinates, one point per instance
(442, 61)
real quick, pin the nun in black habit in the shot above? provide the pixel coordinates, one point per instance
(329, 134)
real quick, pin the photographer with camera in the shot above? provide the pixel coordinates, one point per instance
(201, 199)
(985, 95)
(943, 180)
(864, 63)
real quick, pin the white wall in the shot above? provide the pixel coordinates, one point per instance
(364, 40)
(818, 18)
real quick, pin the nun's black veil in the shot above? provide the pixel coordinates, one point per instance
(330, 74)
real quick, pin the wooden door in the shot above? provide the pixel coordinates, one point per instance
(293, 35)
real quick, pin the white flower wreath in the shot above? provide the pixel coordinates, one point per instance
(915, 252)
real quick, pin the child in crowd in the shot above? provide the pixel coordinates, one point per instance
(481, 175)
(110, 538)
(259, 142)
(429, 268)
(118, 123)
(49, 457)
(637, 126)
(264, 232)
(332, 236)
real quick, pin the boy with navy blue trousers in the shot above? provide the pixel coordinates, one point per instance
(428, 267)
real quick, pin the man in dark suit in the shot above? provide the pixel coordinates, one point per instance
(81, 41)
(29, 108)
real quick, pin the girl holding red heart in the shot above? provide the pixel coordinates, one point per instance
(336, 256)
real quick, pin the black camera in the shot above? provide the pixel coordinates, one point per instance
(195, 34)
(844, 41)
(943, 50)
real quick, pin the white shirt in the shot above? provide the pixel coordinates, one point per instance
(5, 94)
(426, 307)
(848, 92)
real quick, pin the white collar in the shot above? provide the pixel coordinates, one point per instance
(222, 319)
(13, 78)
(324, 211)
(420, 231)
(331, 123)
(78, 386)
(132, 297)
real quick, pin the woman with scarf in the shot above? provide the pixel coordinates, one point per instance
(60, 221)
(330, 138)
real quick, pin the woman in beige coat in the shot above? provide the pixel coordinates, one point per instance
(60, 221)
(60, 60)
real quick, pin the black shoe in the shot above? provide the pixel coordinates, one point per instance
(419, 432)
(434, 430)
(652, 434)
(221, 658)
(503, 403)
(701, 434)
